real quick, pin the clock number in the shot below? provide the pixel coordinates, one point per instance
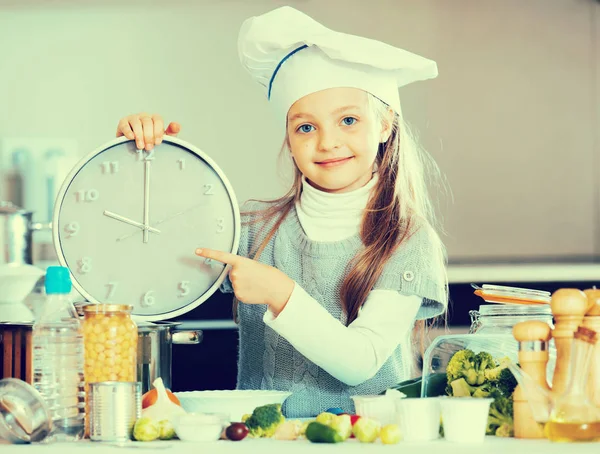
(72, 229)
(112, 287)
(220, 225)
(110, 167)
(85, 265)
(181, 163)
(148, 298)
(145, 155)
(208, 189)
(184, 288)
(91, 195)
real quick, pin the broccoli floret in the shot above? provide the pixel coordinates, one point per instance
(483, 391)
(505, 430)
(459, 366)
(506, 382)
(460, 388)
(470, 366)
(493, 374)
(482, 363)
(264, 420)
(500, 418)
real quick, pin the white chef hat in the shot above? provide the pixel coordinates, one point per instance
(291, 55)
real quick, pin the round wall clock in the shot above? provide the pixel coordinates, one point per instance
(127, 222)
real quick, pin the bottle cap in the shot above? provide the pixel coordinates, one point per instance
(58, 280)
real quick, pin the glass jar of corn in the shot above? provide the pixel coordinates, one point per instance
(110, 342)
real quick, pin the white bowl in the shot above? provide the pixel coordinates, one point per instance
(419, 418)
(17, 281)
(382, 408)
(234, 403)
(465, 418)
(197, 427)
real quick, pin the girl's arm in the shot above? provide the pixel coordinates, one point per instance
(355, 353)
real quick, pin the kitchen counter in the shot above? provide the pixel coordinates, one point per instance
(523, 272)
(491, 444)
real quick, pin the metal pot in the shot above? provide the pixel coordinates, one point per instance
(16, 232)
(155, 346)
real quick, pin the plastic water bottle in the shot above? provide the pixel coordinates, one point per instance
(58, 357)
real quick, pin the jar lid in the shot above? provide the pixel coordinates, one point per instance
(512, 295)
(24, 415)
(106, 308)
(486, 310)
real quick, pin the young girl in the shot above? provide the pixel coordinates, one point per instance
(333, 275)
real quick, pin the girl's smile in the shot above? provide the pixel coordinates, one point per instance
(334, 162)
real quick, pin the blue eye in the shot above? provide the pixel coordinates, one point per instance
(305, 128)
(349, 121)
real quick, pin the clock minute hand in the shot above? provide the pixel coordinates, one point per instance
(118, 217)
(146, 198)
(168, 218)
(179, 213)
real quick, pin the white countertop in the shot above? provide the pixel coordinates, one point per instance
(491, 444)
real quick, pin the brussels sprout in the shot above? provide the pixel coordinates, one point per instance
(390, 434)
(145, 429)
(166, 430)
(326, 418)
(342, 424)
(366, 430)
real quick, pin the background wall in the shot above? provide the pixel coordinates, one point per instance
(513, 119)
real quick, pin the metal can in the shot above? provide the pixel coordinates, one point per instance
(114, 409)
(110, 339)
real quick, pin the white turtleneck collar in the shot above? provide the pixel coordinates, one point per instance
(332, 217)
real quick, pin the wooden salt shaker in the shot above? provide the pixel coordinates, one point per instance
(568, 308)
(533, 338)
(592, 321)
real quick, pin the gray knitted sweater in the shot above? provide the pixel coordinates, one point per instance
(268, 361)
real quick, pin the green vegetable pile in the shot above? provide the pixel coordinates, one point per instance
(264, 421)
(479, 375)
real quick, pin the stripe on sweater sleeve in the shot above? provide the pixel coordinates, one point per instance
(354, 353)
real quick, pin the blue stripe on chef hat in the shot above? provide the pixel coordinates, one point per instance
(279, 66)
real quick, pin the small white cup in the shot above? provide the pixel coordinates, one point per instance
(419, 418)
(465, 418)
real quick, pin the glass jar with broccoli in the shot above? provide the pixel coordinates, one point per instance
(475, 364)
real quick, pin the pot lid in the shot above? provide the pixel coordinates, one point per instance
(10, 208)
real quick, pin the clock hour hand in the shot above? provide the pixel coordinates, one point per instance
(118, 217)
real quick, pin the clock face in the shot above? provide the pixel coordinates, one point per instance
(127, 223)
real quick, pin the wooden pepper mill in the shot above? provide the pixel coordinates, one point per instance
(569, 306)
(534, 339)
(592, 321)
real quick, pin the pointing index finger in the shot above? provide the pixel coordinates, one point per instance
(220, 256)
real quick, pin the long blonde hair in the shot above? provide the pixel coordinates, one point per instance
(398, 204)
